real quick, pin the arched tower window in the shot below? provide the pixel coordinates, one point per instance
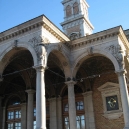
(75, 8)
(14, 113)
(68, 11)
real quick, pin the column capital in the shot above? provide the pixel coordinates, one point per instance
(88, 93)
(70, 83)
(30, 91)
(40, 67)
(52, 99)
(121, 72)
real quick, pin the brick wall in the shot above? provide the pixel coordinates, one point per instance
(100, 121)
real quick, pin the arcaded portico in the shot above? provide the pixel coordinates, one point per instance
(76, 80)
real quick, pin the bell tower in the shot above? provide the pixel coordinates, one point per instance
(76, 20)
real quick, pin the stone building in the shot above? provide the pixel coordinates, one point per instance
(71, 80)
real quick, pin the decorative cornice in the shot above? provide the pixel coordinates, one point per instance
(32, 24)
(124, 39)
(5, 35)
(99, 37)
(88, 41)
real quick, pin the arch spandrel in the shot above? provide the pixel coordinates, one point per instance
(61, 55)
(95, 52)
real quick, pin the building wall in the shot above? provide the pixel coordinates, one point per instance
(100, 121)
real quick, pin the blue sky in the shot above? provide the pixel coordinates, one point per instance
(103, 14)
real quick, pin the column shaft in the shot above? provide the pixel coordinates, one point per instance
(72, 107)
(53, 113)
(40, 100)
(23, 116)
(124, 97)
(89, 111)
(30, 108)
(3, 121)
(1, 112)
(59, 113)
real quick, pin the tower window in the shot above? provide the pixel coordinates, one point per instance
(75, 8)
(68, 11)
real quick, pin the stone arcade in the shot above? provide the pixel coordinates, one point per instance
(76, 80)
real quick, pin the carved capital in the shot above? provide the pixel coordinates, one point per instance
(70, 83)
(30, 91)
(40, 68)
(38, 43)
(90, 51)
(121, 72)
(52, 99)
(89, 93)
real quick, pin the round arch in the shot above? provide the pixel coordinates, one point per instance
(5, 56)
(96, 52)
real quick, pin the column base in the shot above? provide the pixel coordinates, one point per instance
(40, 128)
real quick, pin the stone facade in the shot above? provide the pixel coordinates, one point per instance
(50, 80)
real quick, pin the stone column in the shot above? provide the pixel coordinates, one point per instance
(30, 108)
(71, 102)
(40, 99)
(89, 112)
(3, 121)
(53, 113)
(1, 112)
(59, 113)
(124, 97)
(23, 115)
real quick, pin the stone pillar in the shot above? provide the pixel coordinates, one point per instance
(53, 113)
(3, 121)
(40, 99)
(124, 97)
(71, 102)
(23, 115)
(59, 113)
(89, 111)
(30, 108)
(1, 112)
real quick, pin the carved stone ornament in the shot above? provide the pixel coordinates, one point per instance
(15, 44)
(74, 35)
(39, 46)
(90, 51)
(60, 47)
(116, 51)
